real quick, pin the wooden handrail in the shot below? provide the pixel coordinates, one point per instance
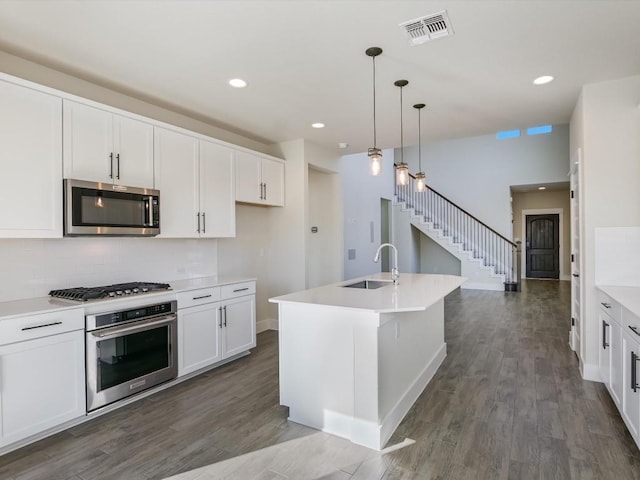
(472, 216)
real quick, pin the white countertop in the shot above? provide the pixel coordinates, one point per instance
(413, 293)
(628, 297)
(34, 306)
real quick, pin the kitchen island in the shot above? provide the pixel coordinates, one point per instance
(353, 360)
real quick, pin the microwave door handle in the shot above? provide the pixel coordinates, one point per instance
(149, 212)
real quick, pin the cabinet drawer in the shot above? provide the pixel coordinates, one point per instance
(610, 306)
(631, 324)
(42, 325)
(198, 297)
(238, 289)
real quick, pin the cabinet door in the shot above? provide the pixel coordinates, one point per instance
(31, 161)
(41, 384)
(88, 143)
(176, 176)
(134, 152)
(630, 395)
(248, 179)
(604, 358)
(239, 319)
(615, 347)
(273, 179)
(198, 337)
(217, 191)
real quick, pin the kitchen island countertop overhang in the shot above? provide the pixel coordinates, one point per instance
(353, 360)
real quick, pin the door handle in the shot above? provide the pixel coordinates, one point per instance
(225, 315)
(198, 215)
(204, 223)
(111, 165)
(605, 344)
(118, 165)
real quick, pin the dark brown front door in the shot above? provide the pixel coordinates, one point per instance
(543, 246)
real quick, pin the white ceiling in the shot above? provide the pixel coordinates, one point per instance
(305, 61)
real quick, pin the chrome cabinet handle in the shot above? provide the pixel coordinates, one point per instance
(225, 315)
(198, 215)
(204, 223)
(265, 191)
(111, 165)
(605, 304)
(634, 368)
(220, 317)
(605, 344)
(24, 329)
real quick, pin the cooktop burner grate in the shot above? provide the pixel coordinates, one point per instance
(82, 294)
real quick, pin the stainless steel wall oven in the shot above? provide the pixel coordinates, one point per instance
(129, 351)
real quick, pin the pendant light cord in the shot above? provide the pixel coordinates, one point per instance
(374, 102)
(419, 143)
(401, 130)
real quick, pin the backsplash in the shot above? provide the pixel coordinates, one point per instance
(33, 267)
(617, 256)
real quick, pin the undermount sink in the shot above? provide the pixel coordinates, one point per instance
(369, 284)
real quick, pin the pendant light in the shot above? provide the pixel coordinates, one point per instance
(375, 154)
(402, 169)
(420, 186)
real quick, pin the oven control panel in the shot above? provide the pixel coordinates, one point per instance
(140, 313)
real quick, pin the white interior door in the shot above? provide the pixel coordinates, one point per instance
(576, 259)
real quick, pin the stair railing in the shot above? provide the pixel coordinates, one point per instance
(473, 234)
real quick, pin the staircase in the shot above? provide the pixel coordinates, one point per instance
(487, 258)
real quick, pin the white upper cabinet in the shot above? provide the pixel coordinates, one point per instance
(31, 162)
(177, 179)
(259, 180)
(217, 191)
(195, 179)
(101, 146)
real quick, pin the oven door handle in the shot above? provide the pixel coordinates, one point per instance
(139, 326)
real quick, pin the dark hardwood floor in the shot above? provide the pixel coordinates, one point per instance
(508, 403)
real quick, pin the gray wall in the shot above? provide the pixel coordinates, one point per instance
(435, 259)
(361, 193)
(476, 172)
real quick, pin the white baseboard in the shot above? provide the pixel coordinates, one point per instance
(268, 324)
(497, 287)
(590, 372)
(400, 409)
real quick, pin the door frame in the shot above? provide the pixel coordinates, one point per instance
(544, 211)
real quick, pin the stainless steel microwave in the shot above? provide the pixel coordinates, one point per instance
(92, 208)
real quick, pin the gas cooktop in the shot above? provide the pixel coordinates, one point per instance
(83, 294)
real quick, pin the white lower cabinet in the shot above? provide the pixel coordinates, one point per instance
(239, 324)
(631, 383)
(42, 378)
(215, 324)
(619, 359)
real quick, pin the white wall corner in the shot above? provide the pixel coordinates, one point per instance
(267, 324)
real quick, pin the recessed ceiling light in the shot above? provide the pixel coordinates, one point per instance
(343, 145)
(237, 83)
(542, 188)
(543, 80)
(317, 125)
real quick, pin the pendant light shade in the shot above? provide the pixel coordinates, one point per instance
(402, 169)
(420, 176)
(375, 154)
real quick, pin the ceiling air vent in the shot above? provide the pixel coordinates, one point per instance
(429, 27)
